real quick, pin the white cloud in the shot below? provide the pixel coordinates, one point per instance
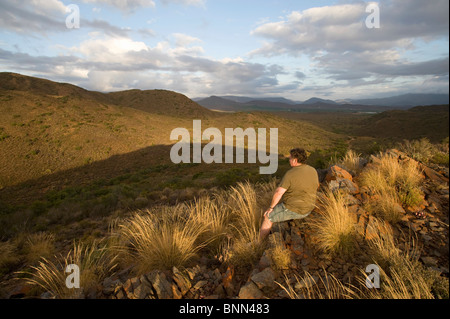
(125, 5)
(346, 54)
(342, 28)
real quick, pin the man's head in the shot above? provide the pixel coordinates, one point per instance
(297, 156)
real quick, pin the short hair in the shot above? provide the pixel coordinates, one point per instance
(300, 154)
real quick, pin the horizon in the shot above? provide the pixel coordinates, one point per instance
(296, 49)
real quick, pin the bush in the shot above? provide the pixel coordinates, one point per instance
(334, 227)
(392, 178)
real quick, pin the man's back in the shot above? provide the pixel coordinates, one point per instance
(301, 183)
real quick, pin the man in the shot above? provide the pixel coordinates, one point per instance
(298, 188)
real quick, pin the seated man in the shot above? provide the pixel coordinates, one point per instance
(298, 189)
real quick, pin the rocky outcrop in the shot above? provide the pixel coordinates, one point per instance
(263, 281)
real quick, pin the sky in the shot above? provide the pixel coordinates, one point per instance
(259, 48)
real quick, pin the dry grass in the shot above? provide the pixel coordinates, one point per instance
(386, 204)
(8, 257)
(160, 238)
(402, 276)
(333, 227)
(280, 255)
(246, 221)
(39, 245)
(351, 161)
(226, 225)
(94, 262)
(393, 181)
(326, 287)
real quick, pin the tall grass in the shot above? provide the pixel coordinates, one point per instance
(333, 227)
(402, 276)
(351, 161)
(95, 264)
(424, 151)
(326, 287)
(393, 181)
(160, 238)
(246, 221)
(227, 225)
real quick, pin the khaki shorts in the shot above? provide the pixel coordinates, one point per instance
(280, 214)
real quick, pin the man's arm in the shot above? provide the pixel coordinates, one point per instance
(275, 199)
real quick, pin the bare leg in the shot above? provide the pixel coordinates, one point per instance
(265, 228)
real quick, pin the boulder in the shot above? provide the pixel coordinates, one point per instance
(265, 278)
(250, 291)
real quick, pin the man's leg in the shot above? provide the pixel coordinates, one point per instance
(265, 228)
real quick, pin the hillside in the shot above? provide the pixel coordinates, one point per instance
(49, 128)
(418, 122)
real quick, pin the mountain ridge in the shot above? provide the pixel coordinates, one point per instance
(404, 101)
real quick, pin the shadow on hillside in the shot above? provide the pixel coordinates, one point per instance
(153, 159)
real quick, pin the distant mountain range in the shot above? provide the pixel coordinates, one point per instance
(243, 103)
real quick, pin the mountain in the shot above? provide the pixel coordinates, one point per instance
(246, 99)
(46, 127)
(315, 100)
(219, 103)
(411, 100)
(244, 103)
(57, 134)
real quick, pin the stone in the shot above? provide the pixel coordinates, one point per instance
(109, 285)
(265, 278)
(429, 261)
(265, 261)
(200, 284)
(160, 284)
(228, 277)
(142, 291)
(335, 172)
(128, 288)
(220, 291)
(250, 291)
(181, 280)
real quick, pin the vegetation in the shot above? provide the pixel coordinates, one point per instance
(334, 227)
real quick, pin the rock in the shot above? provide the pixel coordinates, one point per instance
(200, 284)
(343, 184)
(220, 292)
(336, 172)
(159, 282)
(250, 291)
(433, 175)
(429, 261)
(228, 277)
(128, 289)
(181, 280)
(143, 291)
(109, 285)
(265, 278)
(265, 260)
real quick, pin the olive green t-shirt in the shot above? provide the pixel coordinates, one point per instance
(301, 183)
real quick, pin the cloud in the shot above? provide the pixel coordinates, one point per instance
(38, 16)
(345, 54)
(126, 6)
(341, 28)
(129, 6)
(111, 62)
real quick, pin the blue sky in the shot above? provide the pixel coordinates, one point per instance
(294, 49)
